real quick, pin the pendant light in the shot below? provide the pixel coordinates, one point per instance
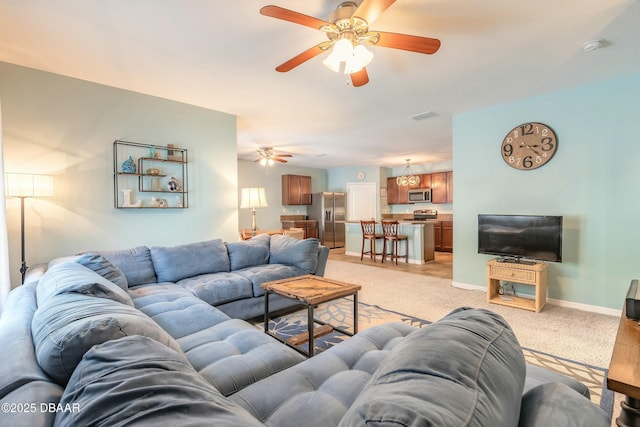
(407, 178)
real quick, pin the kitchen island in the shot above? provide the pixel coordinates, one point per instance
(420, 240)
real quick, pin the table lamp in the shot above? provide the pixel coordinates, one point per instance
(25, 185)
(253, 198)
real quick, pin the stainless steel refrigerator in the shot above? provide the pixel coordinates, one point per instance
(330, 211)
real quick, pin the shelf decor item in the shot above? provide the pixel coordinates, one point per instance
(129, 166)
(173, 184)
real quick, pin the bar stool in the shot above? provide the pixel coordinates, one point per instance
(390, 231)
(369, 233)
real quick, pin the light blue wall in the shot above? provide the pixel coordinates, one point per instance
(66, 127)
(592, 181)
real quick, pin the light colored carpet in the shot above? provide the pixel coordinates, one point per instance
(573, 334)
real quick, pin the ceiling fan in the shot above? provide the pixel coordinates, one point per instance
(347, 29)
(267, 155)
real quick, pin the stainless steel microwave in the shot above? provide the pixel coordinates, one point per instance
(422, 195)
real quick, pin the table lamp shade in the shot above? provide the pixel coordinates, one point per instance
(253, 198)
(28, 185)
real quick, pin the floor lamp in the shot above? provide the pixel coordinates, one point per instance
(253, 198)
(25, 185)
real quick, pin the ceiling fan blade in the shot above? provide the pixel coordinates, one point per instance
(369, 10)
(277, 159)
(301, 58)
(284, 155)
(291, 16)
(407, 42)
(360, 78)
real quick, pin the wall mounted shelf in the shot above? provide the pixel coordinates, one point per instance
(153, 170)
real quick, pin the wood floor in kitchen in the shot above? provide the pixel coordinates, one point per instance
(442, 266)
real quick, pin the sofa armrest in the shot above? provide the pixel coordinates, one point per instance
(323, 255)
(556, 404)
(35, 272)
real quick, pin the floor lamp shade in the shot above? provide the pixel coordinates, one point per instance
(25, 185)
(28, 185)
(253, 198)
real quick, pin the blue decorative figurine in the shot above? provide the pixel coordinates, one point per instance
(128, 166)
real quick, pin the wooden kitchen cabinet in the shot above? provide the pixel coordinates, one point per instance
(442, 187)
(397, 194)
(443, 236)
(310, 227)
(441, 184)
(296, 190)
(425, 180)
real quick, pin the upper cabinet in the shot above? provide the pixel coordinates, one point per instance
(440, 192)
(296, 190)
(441, 184)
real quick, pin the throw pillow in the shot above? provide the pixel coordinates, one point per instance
(466, 369)
(249, 253)
(179, 262)
(72, 277)
(291, 251)
(135, 263)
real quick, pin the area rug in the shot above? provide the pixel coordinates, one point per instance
(340, 313)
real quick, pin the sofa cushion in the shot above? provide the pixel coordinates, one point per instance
(135, 263)
(266, 273)
(179, 262)
(71, 277)
(136, 381)
(234, 354)
(249, 253)
(67, 324)
(556, 404)
(420, 383)
(218, 288)
(328, 382)
(97, 263)
(295, 252)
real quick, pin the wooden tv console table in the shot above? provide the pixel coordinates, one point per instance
(624, 371)
(528, 274)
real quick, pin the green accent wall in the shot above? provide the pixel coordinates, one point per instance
(66, 127)
(593, 181)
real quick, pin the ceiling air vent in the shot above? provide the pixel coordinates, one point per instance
(423, 116)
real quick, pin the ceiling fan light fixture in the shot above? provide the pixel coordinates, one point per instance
(346, 58)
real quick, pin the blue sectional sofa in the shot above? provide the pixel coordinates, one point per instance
(226, 275)
(85, 344)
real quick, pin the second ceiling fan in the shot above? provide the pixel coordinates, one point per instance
(347, 32)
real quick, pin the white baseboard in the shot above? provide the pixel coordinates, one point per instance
(560, 303)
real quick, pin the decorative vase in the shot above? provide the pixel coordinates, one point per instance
(129, 166)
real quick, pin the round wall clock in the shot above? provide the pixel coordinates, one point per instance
(529, 146)
(361, 175)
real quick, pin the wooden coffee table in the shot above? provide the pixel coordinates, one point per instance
(310, 291)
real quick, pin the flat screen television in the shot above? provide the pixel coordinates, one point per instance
(514, 237)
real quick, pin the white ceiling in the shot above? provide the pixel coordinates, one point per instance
(221, 54)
